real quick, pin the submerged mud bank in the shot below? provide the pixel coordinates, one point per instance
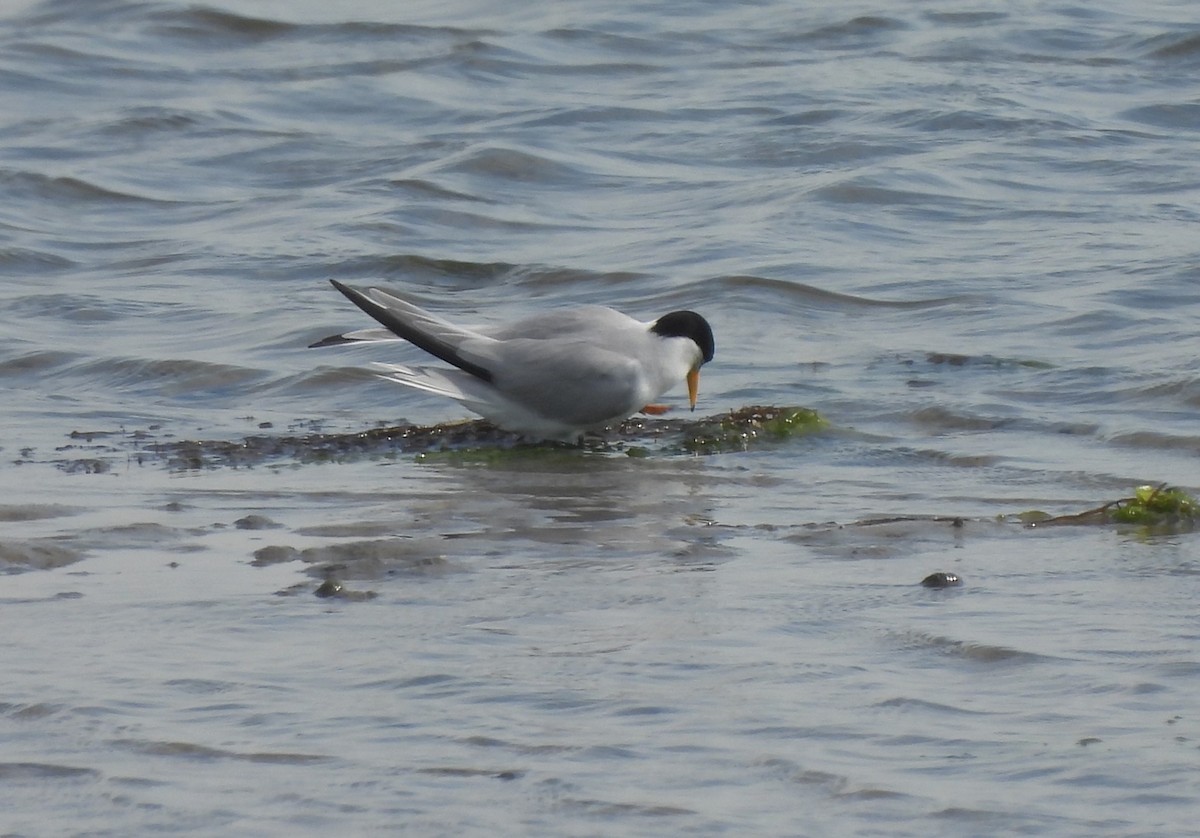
(96, 452)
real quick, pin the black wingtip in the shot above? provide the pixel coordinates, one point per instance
(349, 292)
(397, 326)
(336, 340)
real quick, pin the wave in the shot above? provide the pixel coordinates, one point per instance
(206, 24)
(987, 653)
(25, 260)
(67, 189)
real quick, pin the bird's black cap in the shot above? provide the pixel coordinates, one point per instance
(686, 324)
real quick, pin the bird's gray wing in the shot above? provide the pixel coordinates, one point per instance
(580, 322)
(574, 382)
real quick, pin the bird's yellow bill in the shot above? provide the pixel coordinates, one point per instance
(693, 381)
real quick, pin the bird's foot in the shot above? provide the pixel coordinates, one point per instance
(656, 409)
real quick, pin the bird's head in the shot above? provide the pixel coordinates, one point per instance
(689, 324)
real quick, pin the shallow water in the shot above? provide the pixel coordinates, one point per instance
(966, 238)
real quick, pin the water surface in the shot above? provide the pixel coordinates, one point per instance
(965, 237)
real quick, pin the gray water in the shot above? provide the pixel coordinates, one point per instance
(967, 236)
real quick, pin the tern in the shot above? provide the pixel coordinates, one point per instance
(553, 375)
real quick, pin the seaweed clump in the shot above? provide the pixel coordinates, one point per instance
(1154, 508)
(736, 430)
(477, 441)
(317, 447)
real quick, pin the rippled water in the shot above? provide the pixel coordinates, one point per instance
(967, 237)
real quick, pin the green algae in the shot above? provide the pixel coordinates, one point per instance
(1032, 517)
(1153, 509)
(739, 429)
(1157, 506)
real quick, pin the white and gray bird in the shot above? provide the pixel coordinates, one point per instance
(553, 375)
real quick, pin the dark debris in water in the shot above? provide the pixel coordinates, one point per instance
(333, 589)
(941, 579)
(951, 359)
(255, 522)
